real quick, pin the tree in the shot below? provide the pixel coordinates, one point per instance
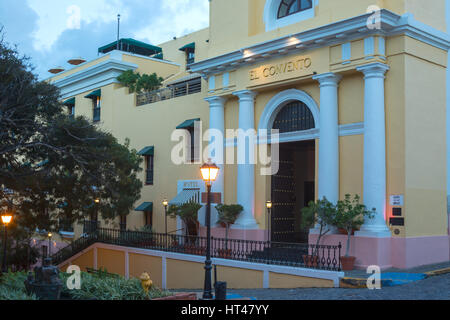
(321, 212)
(350, 216)
(52, 167)
(188, 212)
(140, 83)
(228, 215)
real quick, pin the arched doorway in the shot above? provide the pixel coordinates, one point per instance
(294, 185)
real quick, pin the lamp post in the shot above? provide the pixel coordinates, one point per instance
(165, 204)
(269, 211)
(209, 173)
(49, 244)
(6, 219)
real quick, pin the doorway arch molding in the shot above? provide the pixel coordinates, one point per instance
(280, 100)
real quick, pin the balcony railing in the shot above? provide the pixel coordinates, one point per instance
(173, 91)
(325, 257)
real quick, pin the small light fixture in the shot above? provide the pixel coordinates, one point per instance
(97, 200)
(6, 218)
(269, 204)
(165, 203)
(209, 172)
(49, 234)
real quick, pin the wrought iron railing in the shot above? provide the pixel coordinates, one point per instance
(326, 257)
(170, 92)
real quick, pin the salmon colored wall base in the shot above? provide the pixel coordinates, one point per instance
(400, 253)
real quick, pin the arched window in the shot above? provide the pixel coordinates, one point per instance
(288, 7)
(295, 116)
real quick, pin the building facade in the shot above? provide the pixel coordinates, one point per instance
(357, 90)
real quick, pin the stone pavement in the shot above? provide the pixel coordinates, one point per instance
(433, 288)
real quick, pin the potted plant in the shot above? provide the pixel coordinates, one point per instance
(228, 215)
(188, 213)
(322, 212)
(350, 216)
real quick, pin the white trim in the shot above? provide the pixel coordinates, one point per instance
(95, 254)
(335, 33)
(127, 265)
(369, 46)
(346, 51)
(335, 276)
(271, 15)
(351, 129)
(280, 100)
(164, 273)
(94, 77)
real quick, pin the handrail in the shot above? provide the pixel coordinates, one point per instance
(326, 257)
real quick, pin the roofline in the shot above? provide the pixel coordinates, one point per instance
(330, 34)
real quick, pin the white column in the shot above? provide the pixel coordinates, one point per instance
(374, 150)
(447, 18)
(329, 137)
(217, 122)
(246, 171)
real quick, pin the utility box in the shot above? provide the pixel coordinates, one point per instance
(221, 290)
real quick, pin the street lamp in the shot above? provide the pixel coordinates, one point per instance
(6, 219)
(49, 244)
(209, 173)
(269, 209)
(165, 204)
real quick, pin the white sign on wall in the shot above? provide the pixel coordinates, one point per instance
(397, 200)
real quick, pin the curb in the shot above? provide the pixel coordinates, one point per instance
(438, 272)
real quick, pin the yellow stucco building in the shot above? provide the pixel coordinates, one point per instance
(357, 90)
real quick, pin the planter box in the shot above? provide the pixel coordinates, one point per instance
(180, 296)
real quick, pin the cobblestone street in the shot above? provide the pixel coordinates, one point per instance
(433, 288)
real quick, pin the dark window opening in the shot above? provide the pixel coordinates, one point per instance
(190, 56)
(148, 216)
(96, 109)
(288, 7)
(65, 225)
(193, 148)
(149, 170)
(123, 223)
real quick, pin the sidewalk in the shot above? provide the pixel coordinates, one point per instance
(393, 276)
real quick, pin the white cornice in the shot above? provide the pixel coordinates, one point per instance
(93, 77)
(330, 34)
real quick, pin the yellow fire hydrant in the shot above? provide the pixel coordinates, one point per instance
(146, 282)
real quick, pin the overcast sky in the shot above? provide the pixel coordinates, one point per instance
(53, 31)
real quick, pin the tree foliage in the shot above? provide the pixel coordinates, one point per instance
(188, 212)
(350, 216)
(323, 213)
(52, 167)
(228, 214)
(140, 83)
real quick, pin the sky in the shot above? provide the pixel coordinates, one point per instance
(51, 32)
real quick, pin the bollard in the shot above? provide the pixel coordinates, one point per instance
(220, 287)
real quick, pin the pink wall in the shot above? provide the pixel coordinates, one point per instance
(392, 252)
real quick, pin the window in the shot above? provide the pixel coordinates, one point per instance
(148, 216)
(95, 96)
(282, 13)
(190, 57)
(123, 223)
(71, 112)
(149, 170)
(96, 109)
(193, 143)
(288, 7)
(65, 225)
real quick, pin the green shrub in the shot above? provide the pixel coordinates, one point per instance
(12, 287)
(94, 287)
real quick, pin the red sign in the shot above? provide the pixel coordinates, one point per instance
(216, 197)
